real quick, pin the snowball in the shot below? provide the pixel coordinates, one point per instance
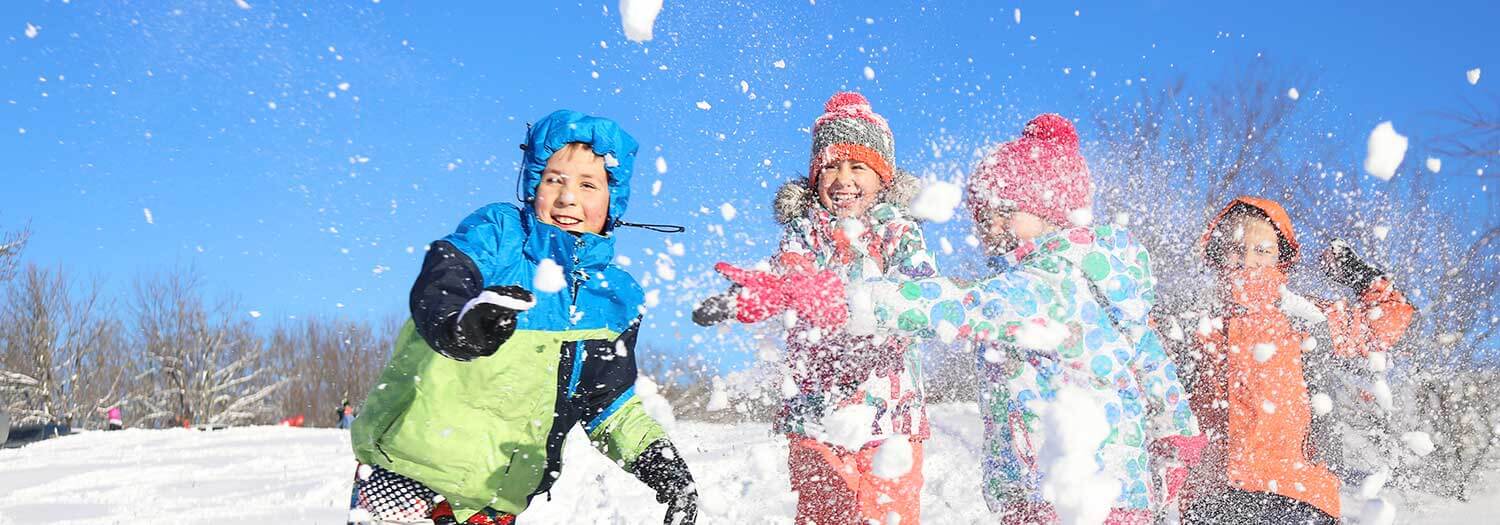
(653, 298)
(1322, 404)
(1074, 427)
(255, 314)
(1377, 362)
(946, 246)
(848, 427)
(149, 219)
(727, 211)
(242, 4)
(655, 187)
(638, 17)
(1268, 407)
(1081, 217)
(1449, 338)
(1380, 231)
(704, 105)
(744, 87)
(936, 201)
(549, 277)
(1264, 351)
(1293, 94)
(1434, 164)
(1174, 331)
(1386, 148)
(655, 405)
(676, 249)
(1382, 392)
(1042, 334)
(664, 268)
(1418, 442)
(1473, 74)
(718, 399)
(869, 73)
(32, 30)
(1018, 15)
(1299, 307)
(893, 459)
(779, 64)
(661, 165)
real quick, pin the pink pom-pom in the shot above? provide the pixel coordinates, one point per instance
(1051, 127)
(842, 99)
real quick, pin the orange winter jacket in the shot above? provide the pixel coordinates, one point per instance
(1251, 395)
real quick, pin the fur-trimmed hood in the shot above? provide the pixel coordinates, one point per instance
(796, 198)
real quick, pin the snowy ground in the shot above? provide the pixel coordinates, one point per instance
(293, 475)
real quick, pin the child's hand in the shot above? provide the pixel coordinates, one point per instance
(662, 468)
(1343, 266)
(716, 309)
(488, 320)
(760, 294)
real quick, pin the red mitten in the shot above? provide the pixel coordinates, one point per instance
(817, 296)
(761, 293)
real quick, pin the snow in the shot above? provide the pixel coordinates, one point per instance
(718, 399)
(638, 17)
(149, 219)
(869, 73)
(303, 475)
(1073, 427)
(704, 105)
(1378, 362)
(1018, 15)
(848, 427)
(549, 277)
(1293, 94)
(936, 201)
(1380, 231)
(1419, 442)
(655, 187)
(242, 4)
(1472, 74)
(1322, 404)
(727, 211)
(1434, 164)
(1299, 307)
(661, 166)
(1264, 351)
(1385, 150)
(1081, 217)
(893, 459)
(779, 64)
(31, 32)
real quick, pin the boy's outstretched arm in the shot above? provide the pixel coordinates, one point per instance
(619, 427)
(455, 313)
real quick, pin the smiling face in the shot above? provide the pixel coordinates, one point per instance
(574, 191)
(848, 188)
(1245, 241)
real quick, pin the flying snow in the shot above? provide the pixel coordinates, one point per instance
(549, 277)
(936, 201)
(1293, 94)
(1434, 164)
(869, 73)
(1074, 426)
(1473, 74)
(32, 30)
(893, 459)
(1385, 150)
(727, 211)
(661, 165)
(638, 17)
(704, 105)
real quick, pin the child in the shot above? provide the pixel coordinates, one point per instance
(1068, 309)
(1251, 389)
(847, 220)
(468, 420)
(345, 416)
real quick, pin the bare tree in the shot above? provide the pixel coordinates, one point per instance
(59, 349)
(201, 358)
(11, 245)
(325, 363)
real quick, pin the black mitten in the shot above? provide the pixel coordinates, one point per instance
(716, 309)
(488, 320)
(662, 468)
(1343, 266)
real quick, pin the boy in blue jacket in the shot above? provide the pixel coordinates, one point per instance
(522, 326)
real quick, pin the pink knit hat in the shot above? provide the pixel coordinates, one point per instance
(849, 129)
(1041, 173)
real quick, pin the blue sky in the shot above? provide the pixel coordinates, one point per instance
(300, 156)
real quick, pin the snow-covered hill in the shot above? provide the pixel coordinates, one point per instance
(295, 475)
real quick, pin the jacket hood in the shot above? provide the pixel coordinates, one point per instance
(1272, 210)
(603, 135)
(796, 197)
